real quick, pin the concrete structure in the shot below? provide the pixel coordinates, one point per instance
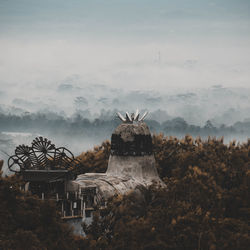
(48, 171)
(131, 165)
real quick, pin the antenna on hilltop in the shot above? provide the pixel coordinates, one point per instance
(159, 56)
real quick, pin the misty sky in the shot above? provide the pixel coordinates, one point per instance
(137, 44)
(159, 45)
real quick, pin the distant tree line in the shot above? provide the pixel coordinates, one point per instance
(78, 125)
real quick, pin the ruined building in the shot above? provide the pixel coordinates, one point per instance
(48, 171)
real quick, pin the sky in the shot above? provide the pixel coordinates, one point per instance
(135, 44)
(131, 45)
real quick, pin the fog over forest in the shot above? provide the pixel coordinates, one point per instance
(67, 67)
(80, 115)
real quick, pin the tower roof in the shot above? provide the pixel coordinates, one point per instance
(132, 137)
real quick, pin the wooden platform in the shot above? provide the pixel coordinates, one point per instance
(45, 175)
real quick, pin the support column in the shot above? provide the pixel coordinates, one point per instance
(81, 207)
(62, 207)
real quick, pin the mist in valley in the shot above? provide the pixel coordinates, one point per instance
(66, 68)
(80, 116)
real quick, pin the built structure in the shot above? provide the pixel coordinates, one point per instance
(50, 172)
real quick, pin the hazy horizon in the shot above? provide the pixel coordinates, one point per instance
(133, 44)
(183, 58)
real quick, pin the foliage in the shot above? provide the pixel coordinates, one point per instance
(96, 160)
(29, 223)
(102, 126)
(205, 206)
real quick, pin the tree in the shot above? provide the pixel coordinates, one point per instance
(205, 205)
(29, 223)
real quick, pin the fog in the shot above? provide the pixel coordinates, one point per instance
(66, 68)
(75, 96)
(31, 64)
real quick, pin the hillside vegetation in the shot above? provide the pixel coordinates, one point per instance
(206, 204)
(26, 222)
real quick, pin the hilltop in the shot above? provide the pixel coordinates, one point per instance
(206, 205)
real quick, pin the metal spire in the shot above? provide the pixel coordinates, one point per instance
(130, 118)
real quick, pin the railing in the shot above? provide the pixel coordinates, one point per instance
(74, 204)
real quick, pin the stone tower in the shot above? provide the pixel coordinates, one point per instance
(131, 163)
(132, 153)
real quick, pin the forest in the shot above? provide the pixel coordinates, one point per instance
(103, 125)
(206, 203)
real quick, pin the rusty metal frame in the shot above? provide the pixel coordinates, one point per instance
(41, 155)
